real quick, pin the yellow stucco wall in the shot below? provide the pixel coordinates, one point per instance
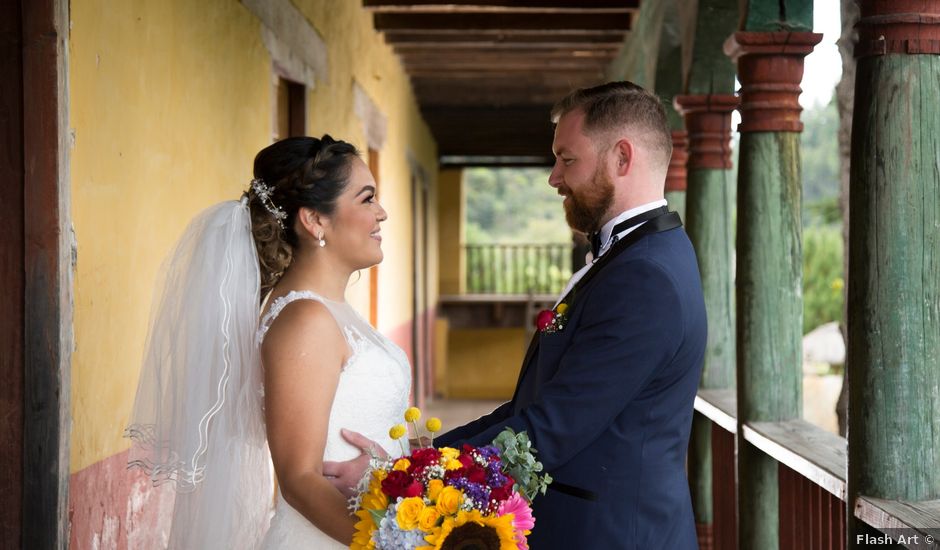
(169, 102)
(483, 363)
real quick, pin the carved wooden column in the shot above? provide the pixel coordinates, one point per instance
(709, 222)
(894, 256)
(769, 261)
(676, 174)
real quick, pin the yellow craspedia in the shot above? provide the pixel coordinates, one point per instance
(397, 431)
(427, 519)
(435, 486)
(448, 501)
(412, 414)
(433, 424)
(561, 309)
(402, 465)
(408, 511)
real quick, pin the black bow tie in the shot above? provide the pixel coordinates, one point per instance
(624, 225)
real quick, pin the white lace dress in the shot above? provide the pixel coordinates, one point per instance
(371, 396)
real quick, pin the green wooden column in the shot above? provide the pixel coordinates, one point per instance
(769, 262)
(894, 256)
(710, 225)
(706, 105)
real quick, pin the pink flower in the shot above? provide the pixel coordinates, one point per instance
(522, 520)
(544, 319)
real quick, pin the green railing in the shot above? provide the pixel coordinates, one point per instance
(517, 268)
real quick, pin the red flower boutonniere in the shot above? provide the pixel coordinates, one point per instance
(552, 320)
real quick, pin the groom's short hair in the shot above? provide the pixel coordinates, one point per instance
(618, 106)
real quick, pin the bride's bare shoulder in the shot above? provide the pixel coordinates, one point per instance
(302, 328)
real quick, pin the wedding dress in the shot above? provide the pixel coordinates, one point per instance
(370, 398)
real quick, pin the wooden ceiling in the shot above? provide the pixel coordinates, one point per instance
(486, 72)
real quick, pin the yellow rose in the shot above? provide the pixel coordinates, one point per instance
(427, 519)
(402, 465)
(433, 425)
(434, 488)
(412, 414)
(408, 511)
(397, 431)
(449, 452)
(561, 309)
(448, 501)
(452, 464)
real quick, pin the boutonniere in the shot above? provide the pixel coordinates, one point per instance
(552, 320)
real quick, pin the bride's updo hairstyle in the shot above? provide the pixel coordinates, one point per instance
(289, 174)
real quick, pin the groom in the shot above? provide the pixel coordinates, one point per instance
(606, 392)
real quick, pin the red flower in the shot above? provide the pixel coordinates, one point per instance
(465, 460)
(544, 319)
(475, 474)
(501, 493)
(398, 484)
(416, 489)
(422, 458)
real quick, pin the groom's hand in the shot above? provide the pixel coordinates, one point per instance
(345, 476)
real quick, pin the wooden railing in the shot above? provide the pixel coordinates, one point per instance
(811, 485)
(517, 268)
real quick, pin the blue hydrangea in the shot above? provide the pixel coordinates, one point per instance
(389, 536)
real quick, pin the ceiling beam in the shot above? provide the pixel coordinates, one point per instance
(397, 6)
(507, 38)
(504, 22)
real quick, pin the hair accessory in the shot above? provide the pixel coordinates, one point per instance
(264, 191)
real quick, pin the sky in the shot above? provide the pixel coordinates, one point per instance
(823, 68)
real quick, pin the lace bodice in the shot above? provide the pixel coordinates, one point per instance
(371, 396)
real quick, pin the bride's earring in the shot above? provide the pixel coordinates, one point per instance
(322, 242)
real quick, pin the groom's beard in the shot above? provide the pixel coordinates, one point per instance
(585, 209)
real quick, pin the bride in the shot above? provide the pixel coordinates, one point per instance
(223, 381)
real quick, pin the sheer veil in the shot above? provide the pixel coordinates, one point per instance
(197, 422)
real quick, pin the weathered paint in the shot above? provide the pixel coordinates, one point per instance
(894, 288)
(113, 507)
(769, 315)
(775, 15)
(710, 224)
(709, 71)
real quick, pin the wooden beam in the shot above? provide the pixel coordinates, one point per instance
(452, 6)
(508, 48)
(510, 69)
(507, 37)
(12, 279)
(47, 268)
(443, 57)
(504, 22)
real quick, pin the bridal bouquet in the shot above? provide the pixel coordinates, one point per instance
(449, 498)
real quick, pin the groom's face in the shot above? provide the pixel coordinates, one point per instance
(580, 174)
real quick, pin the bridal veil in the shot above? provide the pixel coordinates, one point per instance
(197, 422)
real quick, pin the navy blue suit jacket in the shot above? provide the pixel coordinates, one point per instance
(607, 401)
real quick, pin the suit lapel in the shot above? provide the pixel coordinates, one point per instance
(658, 224)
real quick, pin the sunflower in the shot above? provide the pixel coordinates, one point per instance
(474, 531)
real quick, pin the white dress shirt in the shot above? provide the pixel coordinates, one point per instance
(608, 240)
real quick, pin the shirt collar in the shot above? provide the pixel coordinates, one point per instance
(609, 226)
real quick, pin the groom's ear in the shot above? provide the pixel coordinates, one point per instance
(623, 152)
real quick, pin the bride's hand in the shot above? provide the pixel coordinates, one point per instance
(345, 476)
